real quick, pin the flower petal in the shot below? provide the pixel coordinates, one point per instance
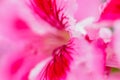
(87, 8)
(111, 11)
(55, 12)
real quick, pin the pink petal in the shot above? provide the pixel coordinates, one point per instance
(111, 11)
(114, 56)
(114, 76)
(55, 12)
(89, 61)
(87, 8)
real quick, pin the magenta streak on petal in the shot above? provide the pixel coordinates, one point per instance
(16, 65)
(48, 10)
(59, 66)
(20, 25)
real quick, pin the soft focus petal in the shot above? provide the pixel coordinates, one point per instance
(86, 67)
(111, 10)
(114, 76)
(114, 56)
(87, 8)
(56, 12)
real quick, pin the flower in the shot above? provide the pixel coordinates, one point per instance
(49, 40)
(30, 43)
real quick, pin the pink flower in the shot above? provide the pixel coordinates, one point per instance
(49, 40)
(30, 37)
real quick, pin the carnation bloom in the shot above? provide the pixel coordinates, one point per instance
(48, 40)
